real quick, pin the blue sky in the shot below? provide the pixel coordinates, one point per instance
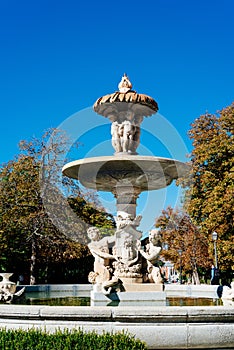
(58, 57)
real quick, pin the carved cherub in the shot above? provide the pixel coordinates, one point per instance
(99, 248)
(154, 247)
(127, 132)
(151, 254)
(116, 140)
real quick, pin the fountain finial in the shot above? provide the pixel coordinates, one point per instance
(125, 85)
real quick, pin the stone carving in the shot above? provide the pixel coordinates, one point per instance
(112, 285)
(120, 256)
(151, 254)
(126, 120)
(116, 137)
(125, 136)
(124, 219)
(8, 289)
(125, 85)
(103, 271)
(127, 264)
(99, 248)
(140, 105)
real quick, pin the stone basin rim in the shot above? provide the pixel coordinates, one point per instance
(118, 158)
(143, 172)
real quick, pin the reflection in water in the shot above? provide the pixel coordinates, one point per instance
(193, 302)
(58, 301)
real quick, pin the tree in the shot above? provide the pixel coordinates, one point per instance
(92, 213)
(181, 235)
(27, 233)
(210, 188)
(32, 197)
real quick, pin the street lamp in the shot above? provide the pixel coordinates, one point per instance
(214, 238)
(180, 253)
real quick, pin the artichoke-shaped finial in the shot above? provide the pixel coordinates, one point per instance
(125, 85)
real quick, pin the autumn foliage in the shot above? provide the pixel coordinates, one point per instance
(210, 194)
(184, 244)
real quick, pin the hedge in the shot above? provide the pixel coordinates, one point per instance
(37, 339)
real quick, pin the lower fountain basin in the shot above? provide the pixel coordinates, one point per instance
(160, 327)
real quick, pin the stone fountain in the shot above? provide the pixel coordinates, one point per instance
(123, 267)
(121, 263)
(8, 288)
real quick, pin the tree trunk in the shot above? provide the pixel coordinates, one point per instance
(33, 262)
(195, 277)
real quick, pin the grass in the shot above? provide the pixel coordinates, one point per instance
(37, 339)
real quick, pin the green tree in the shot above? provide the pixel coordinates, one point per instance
(92, 213)
(181, 235)
(210, 188)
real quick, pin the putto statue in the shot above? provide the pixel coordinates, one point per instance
(101, 249)
(120, 258)
(151, 254)
(125, 137)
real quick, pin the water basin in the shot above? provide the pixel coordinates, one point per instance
(59, 299)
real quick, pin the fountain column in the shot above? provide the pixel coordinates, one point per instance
(126, 199)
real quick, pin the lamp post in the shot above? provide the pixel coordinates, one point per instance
(215, 278)
(214, 238)
(180, 253)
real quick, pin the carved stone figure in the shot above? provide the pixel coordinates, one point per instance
(127, 246)
(153, 249)
(99, 248)
(127, 131)
(103, 271)
(124, 219)
(116, 139)
(125, 136)
(136, 139)
(128, 264)
(130, 252)
(154, 274)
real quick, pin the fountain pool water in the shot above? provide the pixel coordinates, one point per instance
(55, 299)
(79, 295)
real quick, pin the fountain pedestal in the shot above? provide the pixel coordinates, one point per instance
(135, 294)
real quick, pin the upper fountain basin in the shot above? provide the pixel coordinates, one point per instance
(141, 172)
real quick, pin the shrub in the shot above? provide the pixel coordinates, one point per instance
(38, 339)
